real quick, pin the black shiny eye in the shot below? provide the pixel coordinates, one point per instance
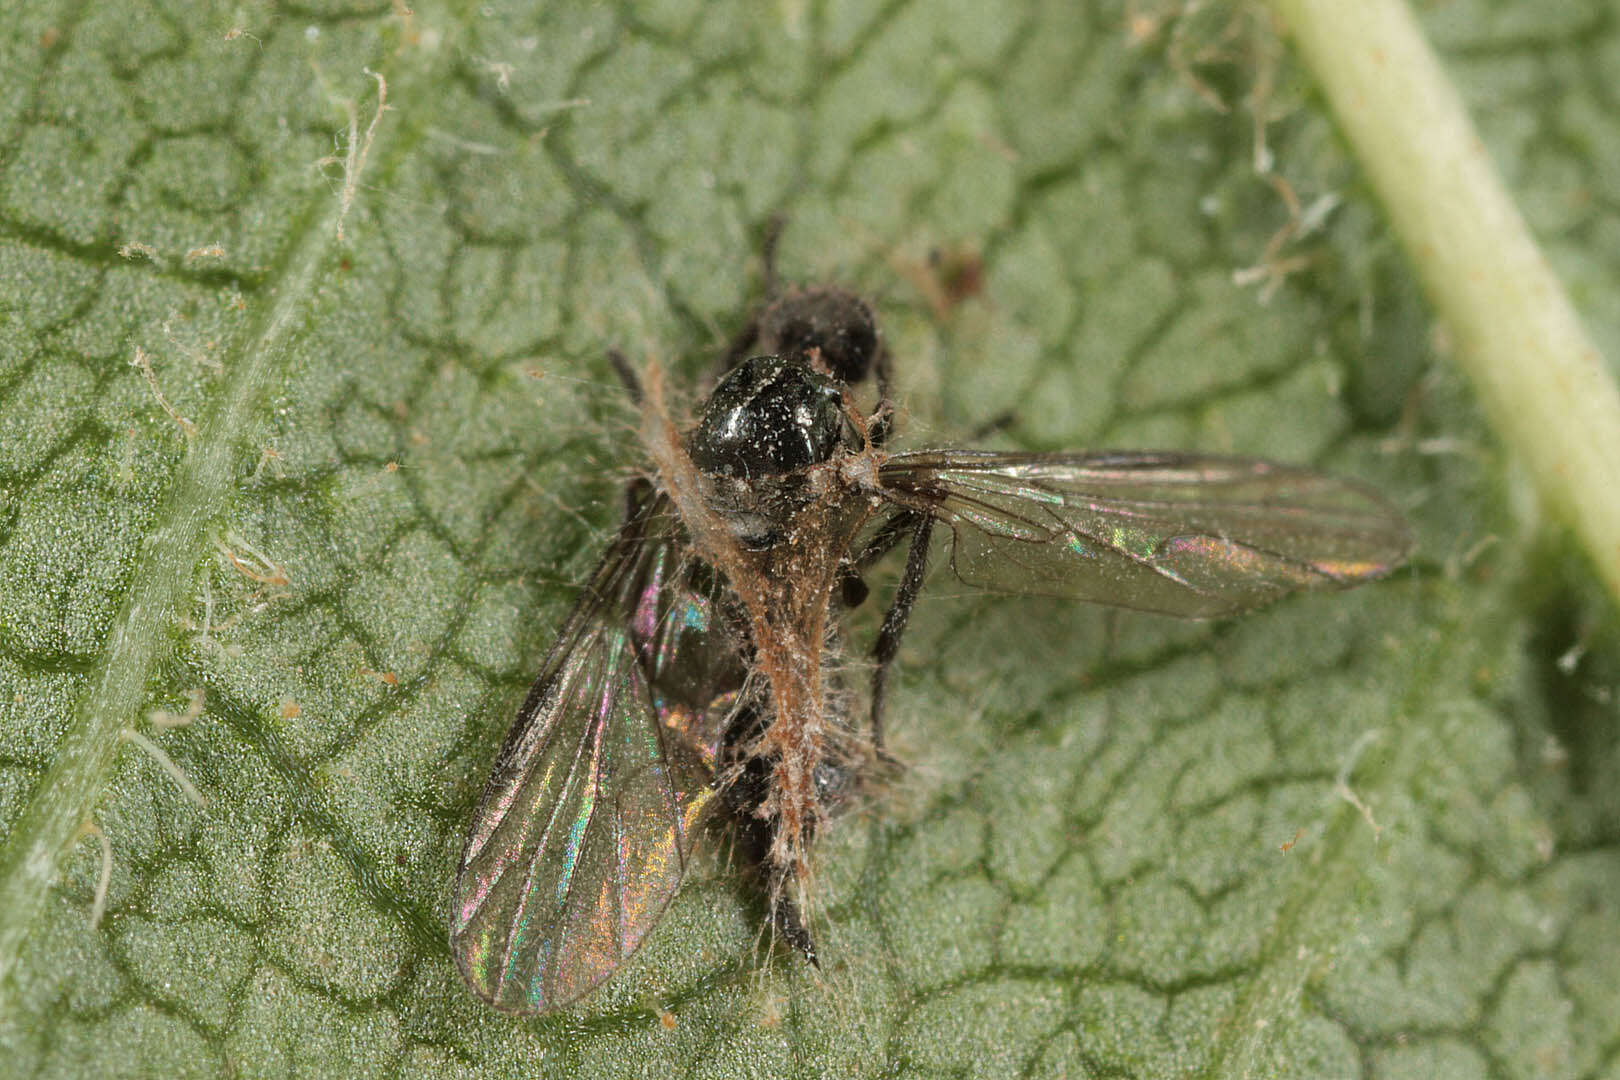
(770, 415)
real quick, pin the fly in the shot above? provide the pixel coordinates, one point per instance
(696, 675)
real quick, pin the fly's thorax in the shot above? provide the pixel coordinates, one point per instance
(858, 472)
(758, 512)
(780, 513)
(760, 447)
(769, 416)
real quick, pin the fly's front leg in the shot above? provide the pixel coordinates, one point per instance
(767, 252)
(899, 613)
(746, 338)
(739, 348)
(627, 375)
(881, 423)
(638, 492)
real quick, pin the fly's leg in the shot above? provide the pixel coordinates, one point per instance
(740, 345)
(790, 924)
(739, 348)
(744, 793)
(993, 426)
(638, 493)
(627, 375)
(852, 590)
(754, 837)
(880, 425)
(899, 613)
(767, 251)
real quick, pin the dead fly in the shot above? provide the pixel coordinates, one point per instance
(697, 674)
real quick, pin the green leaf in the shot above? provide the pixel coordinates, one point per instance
(1365, 833)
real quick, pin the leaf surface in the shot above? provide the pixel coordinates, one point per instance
(306, 433)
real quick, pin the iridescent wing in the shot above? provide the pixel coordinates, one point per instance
(1181, 534)
(594, 805)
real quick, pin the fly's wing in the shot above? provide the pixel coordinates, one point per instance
(594, 805)
(1181, 534)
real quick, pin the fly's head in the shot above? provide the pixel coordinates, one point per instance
(766, 427)
(834, 329)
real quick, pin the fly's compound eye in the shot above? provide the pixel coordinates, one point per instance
(838, 324)
(770, 415)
